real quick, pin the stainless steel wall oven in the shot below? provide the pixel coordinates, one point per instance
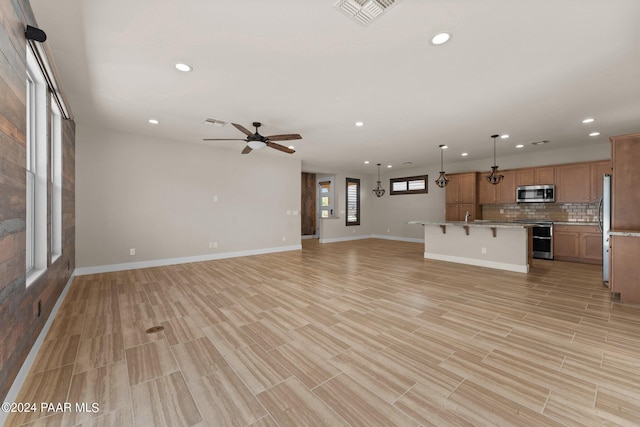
(542, 237)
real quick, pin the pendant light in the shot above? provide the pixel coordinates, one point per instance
(495, 177)
(442, 180)
(378, 191)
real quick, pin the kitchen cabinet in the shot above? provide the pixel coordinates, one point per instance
(535, 176)
(577, 243)
(598, 169)
(461, 197)
(505, 192)
(625, 273)
(573, 183)
(626, 179)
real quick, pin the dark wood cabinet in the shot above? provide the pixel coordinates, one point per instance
(626, 183)
(625, 249)
(577, 243)
(573, 183)
(505, 192)
(461, 197)
(625, 271)
(535, 176)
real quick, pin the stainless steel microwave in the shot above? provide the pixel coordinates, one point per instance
(536, 194)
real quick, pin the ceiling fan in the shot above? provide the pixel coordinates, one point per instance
(255, 141)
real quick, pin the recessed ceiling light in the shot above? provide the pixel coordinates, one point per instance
(366, 162)
(464, 154)
(594, 134)
(544, 141)
(153, 121)
(359, 124)
(291, 147)
(441, 38)
(520, 146)
(588, 120)
(444, 147)
(407, 163)
(183, 67)
(389, 166)
(505, 136)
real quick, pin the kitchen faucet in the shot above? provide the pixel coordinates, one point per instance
(466, 217)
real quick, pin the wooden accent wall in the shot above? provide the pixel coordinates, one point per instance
(308, 213)
(19, 323)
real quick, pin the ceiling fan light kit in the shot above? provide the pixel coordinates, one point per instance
(255, 141)
(378, 191)
(495, 177)
(442, 180)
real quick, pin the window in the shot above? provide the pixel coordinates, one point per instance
(36, 215)
(409, 185)
(326, 205)
(56, 180)
(353, 201)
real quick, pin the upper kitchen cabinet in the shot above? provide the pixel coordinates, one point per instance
(625, 152)
(573, 183)
(535, 176)
(598, 169)
(505, 192)
(461, 196)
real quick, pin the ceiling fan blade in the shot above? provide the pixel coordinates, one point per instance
(246, 150)
(285, 137)
(223, 139)
(242, 129)
(280, 147)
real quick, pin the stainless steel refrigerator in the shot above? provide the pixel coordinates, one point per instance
(604, 221)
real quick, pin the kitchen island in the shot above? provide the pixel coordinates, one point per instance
(500, 245)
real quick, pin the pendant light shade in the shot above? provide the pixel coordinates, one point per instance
(442, 180)
(495, 177)
(378, 191)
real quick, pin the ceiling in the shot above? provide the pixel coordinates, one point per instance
(530, 69)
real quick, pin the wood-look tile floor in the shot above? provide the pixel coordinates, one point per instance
(357, 333)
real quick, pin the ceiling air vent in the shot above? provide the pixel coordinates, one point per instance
(365, 12)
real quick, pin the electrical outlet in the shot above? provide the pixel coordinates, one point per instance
(215, 245)
(210, 245)
(132, 251)
(388, 230)
(215, 199)
(483, 250)
(284, 238)
(295, 213)
(288, 212)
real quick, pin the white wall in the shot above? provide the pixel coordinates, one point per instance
(335, 229)
(157, 196)
(391, 213)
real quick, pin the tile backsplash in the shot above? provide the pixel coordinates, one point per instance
(561, 212)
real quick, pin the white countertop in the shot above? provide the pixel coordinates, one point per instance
(484, 224)
(624, 233)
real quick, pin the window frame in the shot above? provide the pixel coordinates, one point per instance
(37, 162)
(351, 182)
(56, 179)
(407, 180)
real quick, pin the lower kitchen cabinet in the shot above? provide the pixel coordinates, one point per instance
(625, 269)
(577, 243)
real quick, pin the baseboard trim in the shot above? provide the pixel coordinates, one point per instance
(18, 382)
(371, 236)
(479, 263)
(83, 271)
(401, 239)
(311, 236)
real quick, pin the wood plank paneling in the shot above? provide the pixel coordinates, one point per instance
(18, 305)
